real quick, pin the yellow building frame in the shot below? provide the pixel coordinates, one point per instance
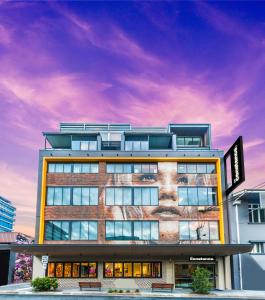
(131, 159)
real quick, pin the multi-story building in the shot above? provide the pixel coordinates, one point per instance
(129, 206)
(247, 225)
(7, 215)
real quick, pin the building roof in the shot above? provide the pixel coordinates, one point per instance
(153, 250)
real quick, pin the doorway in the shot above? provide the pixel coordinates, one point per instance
(183, 273)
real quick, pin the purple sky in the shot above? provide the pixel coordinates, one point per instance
(145, 63)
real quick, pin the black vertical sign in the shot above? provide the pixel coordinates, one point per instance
(236, 156)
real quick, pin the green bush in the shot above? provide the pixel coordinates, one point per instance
(137, 291)
(128, 291)
(201, 282)
(121, 291)
(110, 291)
(44, 284)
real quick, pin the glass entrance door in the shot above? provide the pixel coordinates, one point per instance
(183, 273)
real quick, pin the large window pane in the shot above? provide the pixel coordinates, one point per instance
(93, 196)
(67, 168)
(57, 232)
(110, 233)
(48, 231)
(118, 270)
(93, 230)
(183, 196)
(51, 269)
(58, 196)
(192, 196)
(212, 199)
(110, 196)
(127, 168)
(65, 230)
(51, 168)
(59, 270)
(137, 231)
(77, 168)
(110, 168)
(203, 230)
(59, 168)
(201, 169)
(153, 168)
(184, 230)
(202, 195)
(94, 168)
(146, 269)
(84, 270)
(66, 196)
(85, 196)
(85, 168)
(146, 230)
(145, 168)
(76, 270)
(127, 268)
(75, 145)
(118, 230)
(92, 270)
(75, 234)
(154, 231)
(191, 169)
(211, 168)
(50, 195)
(154, 196)
(93, 146)
(137, 168)
(84, 145)
(137, 196)
(214, 230)
(118, 168)
(84, 230)
(108, 270)
(67, 270)
(146, 196)
(136, 145)
(127, 196)
(137, 270)
(77, 196)
(194, 230)
(182, 168)
(118, 196)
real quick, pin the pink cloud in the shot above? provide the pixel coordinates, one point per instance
(22, 192)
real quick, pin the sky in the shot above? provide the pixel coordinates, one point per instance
(144, 63)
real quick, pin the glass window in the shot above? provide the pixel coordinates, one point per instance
(93, 230)
(77, 196)
(127, 196)
(65, 230)
(137, 196)
(137, 270)
(145, 168)
(57, 196)
(51, 269)
(153, 168)
(146, 230)
(67, 270)
(156, 270)
(196, 141)
(84, 230)
(110, 200)
(137, 168)
(77, 168)
(118, 270)
(183, 196)
(182, 168)
(202, 195)
(180, 141)
(193, 196)
(191, 168)
(194, 230)
(59, 270)
(118, 168)
(146, 268)
(144, 145)
(110, 232)
(211, 168)
(75, 233)
(51, 168)
(84, 145)
(137, 233)
(84, 270)
(93, 196)
(146, 196)
(50, 195)
(66, 196)
(136, 145)
(127, 268)
(203, 231)
(76, 270)
(127, 168)
(184, 230)
(94, 168)
(201, 169)
(93, 146)
(92, 270)
(48, 231)
(75, 145)
(59, 168)
(154, 196)
(110, 168)
(214, 230)
(108, 270)
(118, 196)
(256, 214)
(212, 198)
(128, 146)
(154, 231)
(67, 168)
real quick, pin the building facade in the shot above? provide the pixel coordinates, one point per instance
(129, 206)
(7, 215)
(248, 207)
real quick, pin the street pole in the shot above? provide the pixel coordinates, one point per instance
(236, 204)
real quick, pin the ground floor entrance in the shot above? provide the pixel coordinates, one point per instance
(183, 273)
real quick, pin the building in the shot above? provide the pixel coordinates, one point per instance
(129, 206)
(15, 267)
(7, 215)
(247, 225)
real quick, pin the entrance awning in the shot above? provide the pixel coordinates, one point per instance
(136, 251)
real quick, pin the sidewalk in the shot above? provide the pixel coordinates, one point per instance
(24, 291)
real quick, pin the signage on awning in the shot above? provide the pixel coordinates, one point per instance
(202, 258)
(234, 166)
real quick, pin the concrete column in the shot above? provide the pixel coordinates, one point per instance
(38, 270)
(220, 279)
(228, 284)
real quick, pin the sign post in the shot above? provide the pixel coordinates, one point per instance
(234, 165)
(44, 261)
